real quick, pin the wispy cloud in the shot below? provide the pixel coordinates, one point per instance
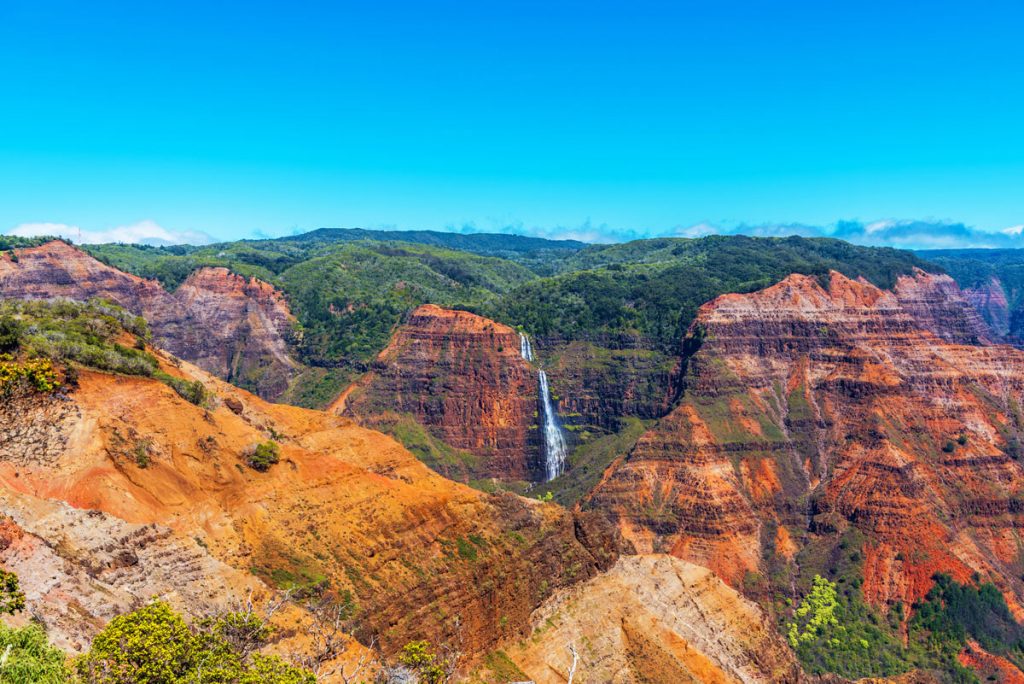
(142, 232)
(883, 233)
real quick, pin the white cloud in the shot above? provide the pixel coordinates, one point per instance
(696, 231)
(144, 232)
(1013, 230)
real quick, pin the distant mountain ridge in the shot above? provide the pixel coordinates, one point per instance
(487, 244)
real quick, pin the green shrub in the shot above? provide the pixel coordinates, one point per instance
(12, 598)
(31, 658)
(192, 391)
(264, 455)
(420, 657)
(11, 331)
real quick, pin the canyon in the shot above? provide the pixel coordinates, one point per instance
(346, 509)
(819, 426)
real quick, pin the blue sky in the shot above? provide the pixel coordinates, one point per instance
(583, 119)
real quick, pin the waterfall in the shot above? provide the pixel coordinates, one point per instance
(554, 440)
(525, 350)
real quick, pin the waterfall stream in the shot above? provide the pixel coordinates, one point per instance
(555, 450)
(525, 350)
(554, 440)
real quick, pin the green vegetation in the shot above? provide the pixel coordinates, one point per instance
(264, 455)
(36, 335)
(9, 242)
(25, 653)
(420, 657)
(837, 632)
(31, 657)
(832, 629)
(953, 612)
(154, 645)
(653, 288)
(588, 461)
(12, 598)
(453, 463)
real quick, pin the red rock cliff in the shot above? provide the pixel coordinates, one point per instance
(227, 324)
(460, 375)
(809, 412)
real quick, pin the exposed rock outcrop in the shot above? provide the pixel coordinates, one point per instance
(231, 326)
(989, 299)
(810, 411)
(655, 619)
(461, 376)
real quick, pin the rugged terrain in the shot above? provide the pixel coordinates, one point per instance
(126, 489)
(229, 325)
(654, 619)
(462, 377)
(814, 410)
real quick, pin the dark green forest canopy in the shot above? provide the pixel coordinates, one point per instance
(653, 288)
(976, 267)
(349, 293)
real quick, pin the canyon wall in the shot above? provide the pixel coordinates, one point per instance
(462, 377)
(229, 325)
(816, 411)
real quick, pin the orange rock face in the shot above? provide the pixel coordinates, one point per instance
(829, 409)
(229, 325)
(346, 509)
(460, 375)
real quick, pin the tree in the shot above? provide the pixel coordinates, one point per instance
(816, 614)
(154, 645)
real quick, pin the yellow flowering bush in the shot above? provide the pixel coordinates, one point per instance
(33, 374)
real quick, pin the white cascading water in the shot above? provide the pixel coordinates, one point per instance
(554, 441)
(525, 350)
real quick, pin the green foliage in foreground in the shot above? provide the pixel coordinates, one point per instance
(84, 333)
(31, 658)
(420, 657)
(154, 645)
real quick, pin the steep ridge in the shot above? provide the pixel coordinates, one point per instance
(654, 619)
(231, 326)
(463, 377)
(989, 299)
(816, 416)
(936, 304)
(345, 509)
